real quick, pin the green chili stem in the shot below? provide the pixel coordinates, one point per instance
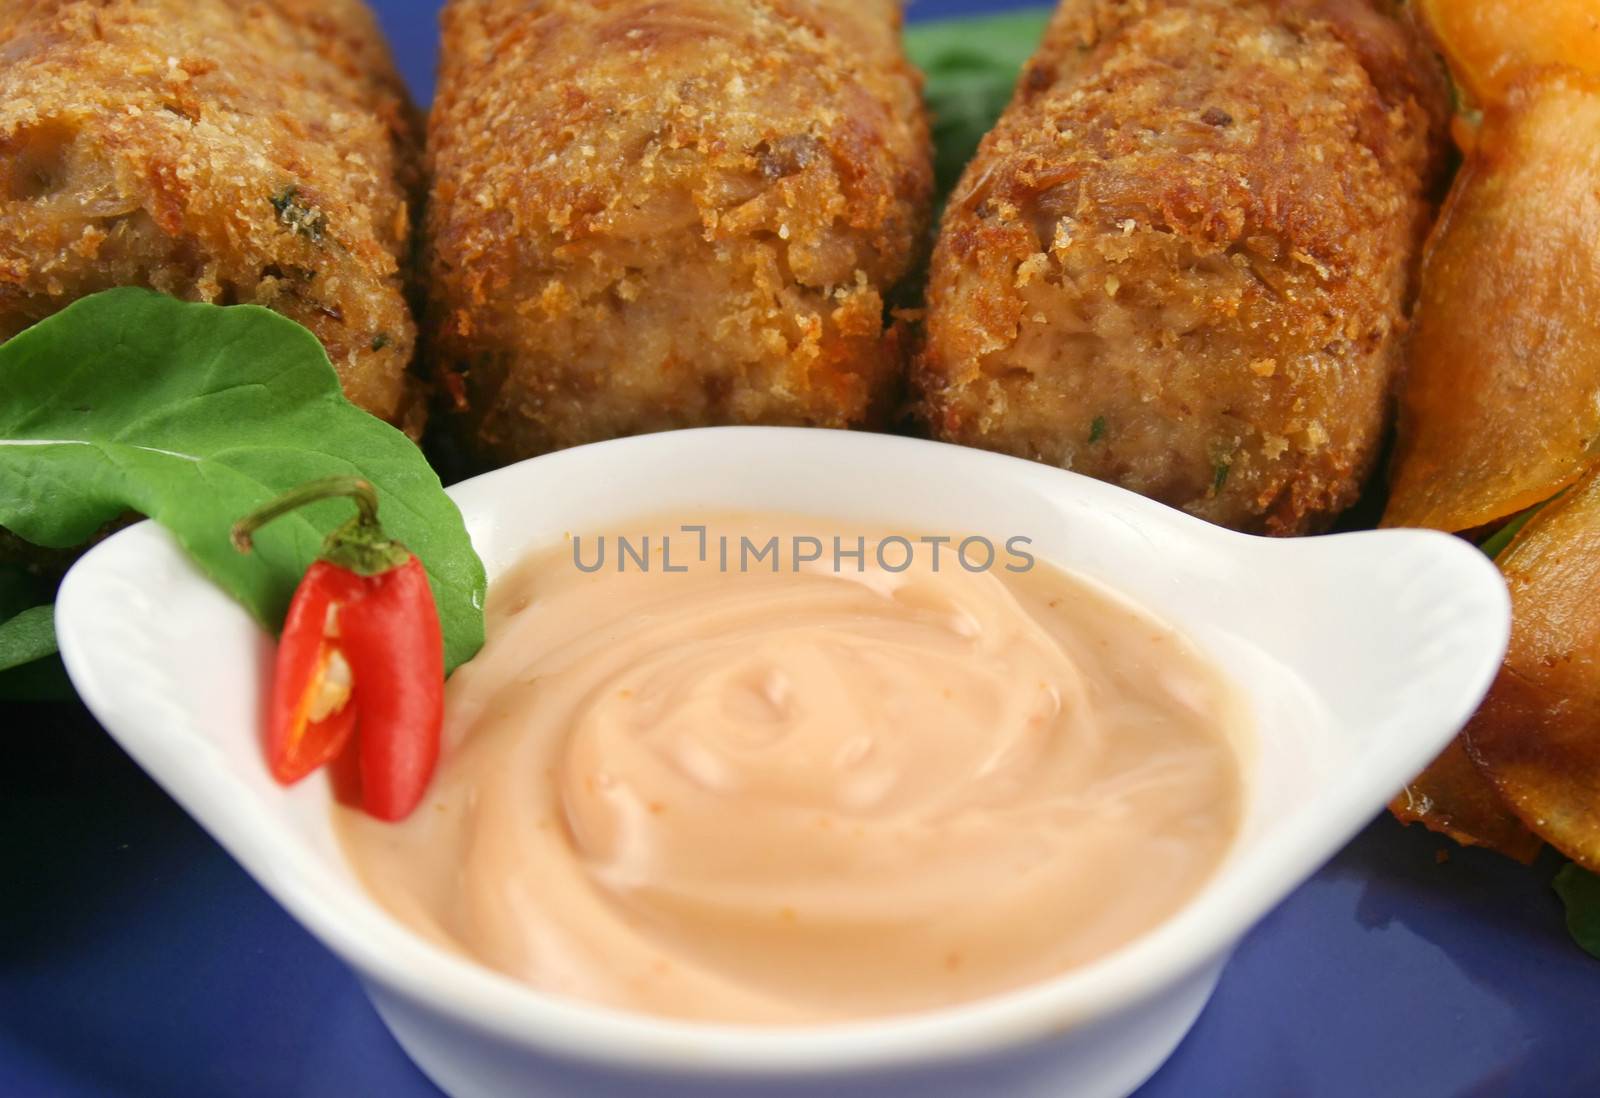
(349, 487)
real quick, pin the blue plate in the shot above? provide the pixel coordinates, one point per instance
(136, 959)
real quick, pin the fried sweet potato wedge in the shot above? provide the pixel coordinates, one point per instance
(1492, 43)
(1500, 404)
(1537, 737)
(1454, 798)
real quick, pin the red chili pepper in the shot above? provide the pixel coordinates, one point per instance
(361, 656)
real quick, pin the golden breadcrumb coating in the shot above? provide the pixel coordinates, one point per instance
(649, 214)
(256, 151)
(1182, 260)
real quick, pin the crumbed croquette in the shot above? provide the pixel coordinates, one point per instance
(258, 151)
(1182, 261)
(649, 214)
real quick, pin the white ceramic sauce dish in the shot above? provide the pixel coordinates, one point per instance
(1360, 655)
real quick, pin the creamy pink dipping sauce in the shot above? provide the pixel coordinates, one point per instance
(814, 795)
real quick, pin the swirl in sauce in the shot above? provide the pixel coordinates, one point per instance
(812, 795)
